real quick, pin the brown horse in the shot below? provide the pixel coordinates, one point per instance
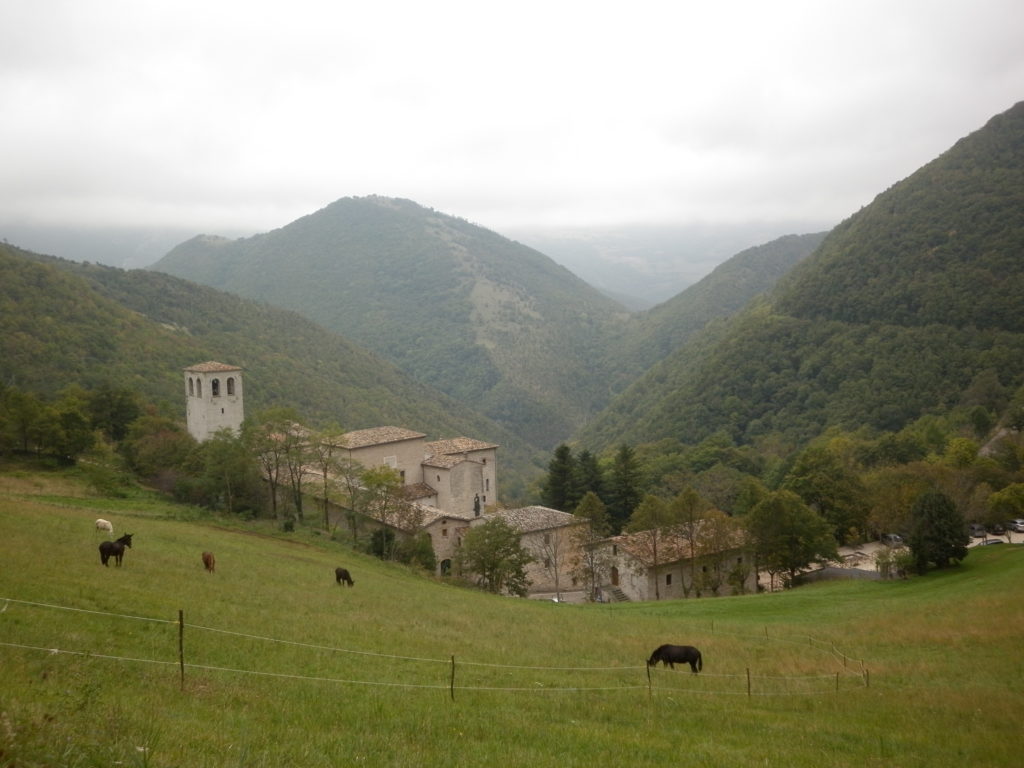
(209, 563)
(342, 575)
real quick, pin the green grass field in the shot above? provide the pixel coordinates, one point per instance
(283, 667)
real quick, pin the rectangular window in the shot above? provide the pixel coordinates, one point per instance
(668, 579)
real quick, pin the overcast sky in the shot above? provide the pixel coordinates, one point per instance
(226, 116)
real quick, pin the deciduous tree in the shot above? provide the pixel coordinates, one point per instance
(789, 535)
(493, 555)
(590, 562)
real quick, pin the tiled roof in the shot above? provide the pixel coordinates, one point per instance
(458, 445)
(212, 366)
(415, 491)
(443, 462)
(527, 519)
(672, 547)
(361, 438)
(433, 514)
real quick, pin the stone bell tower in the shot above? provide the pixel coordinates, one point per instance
(213, 399)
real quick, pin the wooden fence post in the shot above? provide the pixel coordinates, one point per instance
(451, 687)
(181, 645)
(748, 683)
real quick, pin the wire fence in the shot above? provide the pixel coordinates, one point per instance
(464, 675)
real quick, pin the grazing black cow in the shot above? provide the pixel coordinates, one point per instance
(115, 549)
(342, 574)
(670, 655)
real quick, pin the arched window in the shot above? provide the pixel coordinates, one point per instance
(231, 385)
(215, 387)
(199, 387)
(191, 387)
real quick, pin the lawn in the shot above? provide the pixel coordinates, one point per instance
(275, 664)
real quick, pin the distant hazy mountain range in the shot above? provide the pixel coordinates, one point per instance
(641, 266)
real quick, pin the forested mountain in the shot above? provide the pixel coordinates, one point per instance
(655, 334)
(913, 306)
(64, 322)
(494, 324)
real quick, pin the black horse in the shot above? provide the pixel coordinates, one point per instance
(115, 549)
(670, 655)
(342, 575)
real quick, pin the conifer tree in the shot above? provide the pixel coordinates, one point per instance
(559, 490)
(938, 533)
(624, 492)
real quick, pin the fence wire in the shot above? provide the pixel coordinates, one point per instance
(665, 677)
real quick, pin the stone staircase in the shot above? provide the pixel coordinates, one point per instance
(617, 595)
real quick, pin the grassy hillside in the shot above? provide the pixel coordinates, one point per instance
(284, 667)
(492, 323)
(64, 322)
(902, 308)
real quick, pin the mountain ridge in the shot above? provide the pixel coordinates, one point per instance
(893, 317)
(492, 323)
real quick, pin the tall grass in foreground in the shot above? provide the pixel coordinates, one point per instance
(284, 667)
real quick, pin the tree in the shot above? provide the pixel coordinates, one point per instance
(590, 562)
(266, 438)
(1007, 504)
(230, 472)
(826, 485)
(559, 489)
(76, 435)
(19, 415)
(687, 510)
(624, 492)
(939, 533)
(552, 550)
(156, 448)
(324, 450)
(112, 410)
(492, 553)
(382, 501)
(350, 472)
(654, 518)
(589, 477)
(788, 535)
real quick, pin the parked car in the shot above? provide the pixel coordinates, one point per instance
(1016, 525)
(997, 529)
(977, 530)
(892, 540)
